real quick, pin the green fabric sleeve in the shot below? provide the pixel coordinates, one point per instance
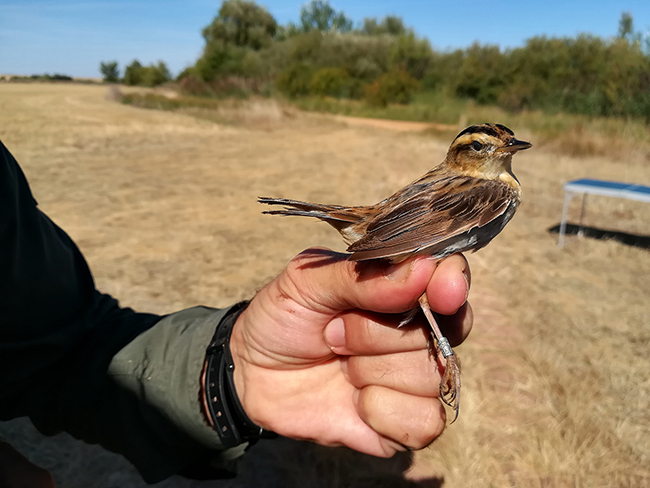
(156, 378)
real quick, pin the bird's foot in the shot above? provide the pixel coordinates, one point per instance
(450, 383)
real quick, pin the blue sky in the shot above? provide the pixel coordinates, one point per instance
(73, 36)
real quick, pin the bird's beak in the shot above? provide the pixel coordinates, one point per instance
(514, 145)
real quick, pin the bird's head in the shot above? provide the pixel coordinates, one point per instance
(485, 151)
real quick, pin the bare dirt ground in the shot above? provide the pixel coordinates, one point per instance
(163, 205)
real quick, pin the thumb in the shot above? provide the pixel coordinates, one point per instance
(328, 282)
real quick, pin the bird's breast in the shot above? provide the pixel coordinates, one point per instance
(510, 180)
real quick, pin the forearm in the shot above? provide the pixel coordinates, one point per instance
(139, 399)
(157, 376)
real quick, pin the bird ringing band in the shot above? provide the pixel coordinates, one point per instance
(445, 348)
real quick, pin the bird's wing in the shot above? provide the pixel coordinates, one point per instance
(434, 213)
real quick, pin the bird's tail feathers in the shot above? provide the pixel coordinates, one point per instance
(335, 215)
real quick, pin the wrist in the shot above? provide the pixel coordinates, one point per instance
(237, 351)
(220, 401)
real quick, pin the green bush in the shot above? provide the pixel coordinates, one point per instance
(412, 54)
(152, 75)
(330, 82)
(219, 59)
(294, 81)
(481, 74)
(133, 73)
(396, 86)
(187, 72)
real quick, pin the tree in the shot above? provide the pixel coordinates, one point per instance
(393, 25)
(152, 75)
(243, 24)
(285, 32)
(319, 15)
(627, 33)
(625, 26)
(109, 71)
(480, 75)
(232, 40)
(412, 54)
(133, 73)
(390, 25)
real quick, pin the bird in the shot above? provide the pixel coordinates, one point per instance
(460, 205)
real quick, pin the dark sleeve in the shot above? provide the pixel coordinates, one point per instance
(45, 284)
(73, 360)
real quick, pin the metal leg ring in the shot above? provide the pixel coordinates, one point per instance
(445, 347)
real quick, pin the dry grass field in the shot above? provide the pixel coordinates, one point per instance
(163, 204)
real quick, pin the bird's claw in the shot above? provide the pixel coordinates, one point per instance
(450, 385)
(450, 382)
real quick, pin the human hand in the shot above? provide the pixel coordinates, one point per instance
(318, 355)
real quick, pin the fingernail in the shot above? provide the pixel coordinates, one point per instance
(400, 271)
(335, 333)
(467, 274)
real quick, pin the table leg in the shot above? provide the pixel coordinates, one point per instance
(565, 210)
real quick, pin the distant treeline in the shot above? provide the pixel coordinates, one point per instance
(43, 77)
(383, 61)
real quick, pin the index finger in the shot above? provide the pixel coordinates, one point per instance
(363, 333)
(368, 334)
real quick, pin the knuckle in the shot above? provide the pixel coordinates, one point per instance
(428, 427)
(435, 424)
(369, 399)
(414, 427)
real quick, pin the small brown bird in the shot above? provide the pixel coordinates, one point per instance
(460, 205)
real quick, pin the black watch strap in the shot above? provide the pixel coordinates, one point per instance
(227, 414)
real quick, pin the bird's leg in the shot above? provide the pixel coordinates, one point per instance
(450, 383)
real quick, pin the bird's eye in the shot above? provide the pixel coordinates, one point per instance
(477, 146)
